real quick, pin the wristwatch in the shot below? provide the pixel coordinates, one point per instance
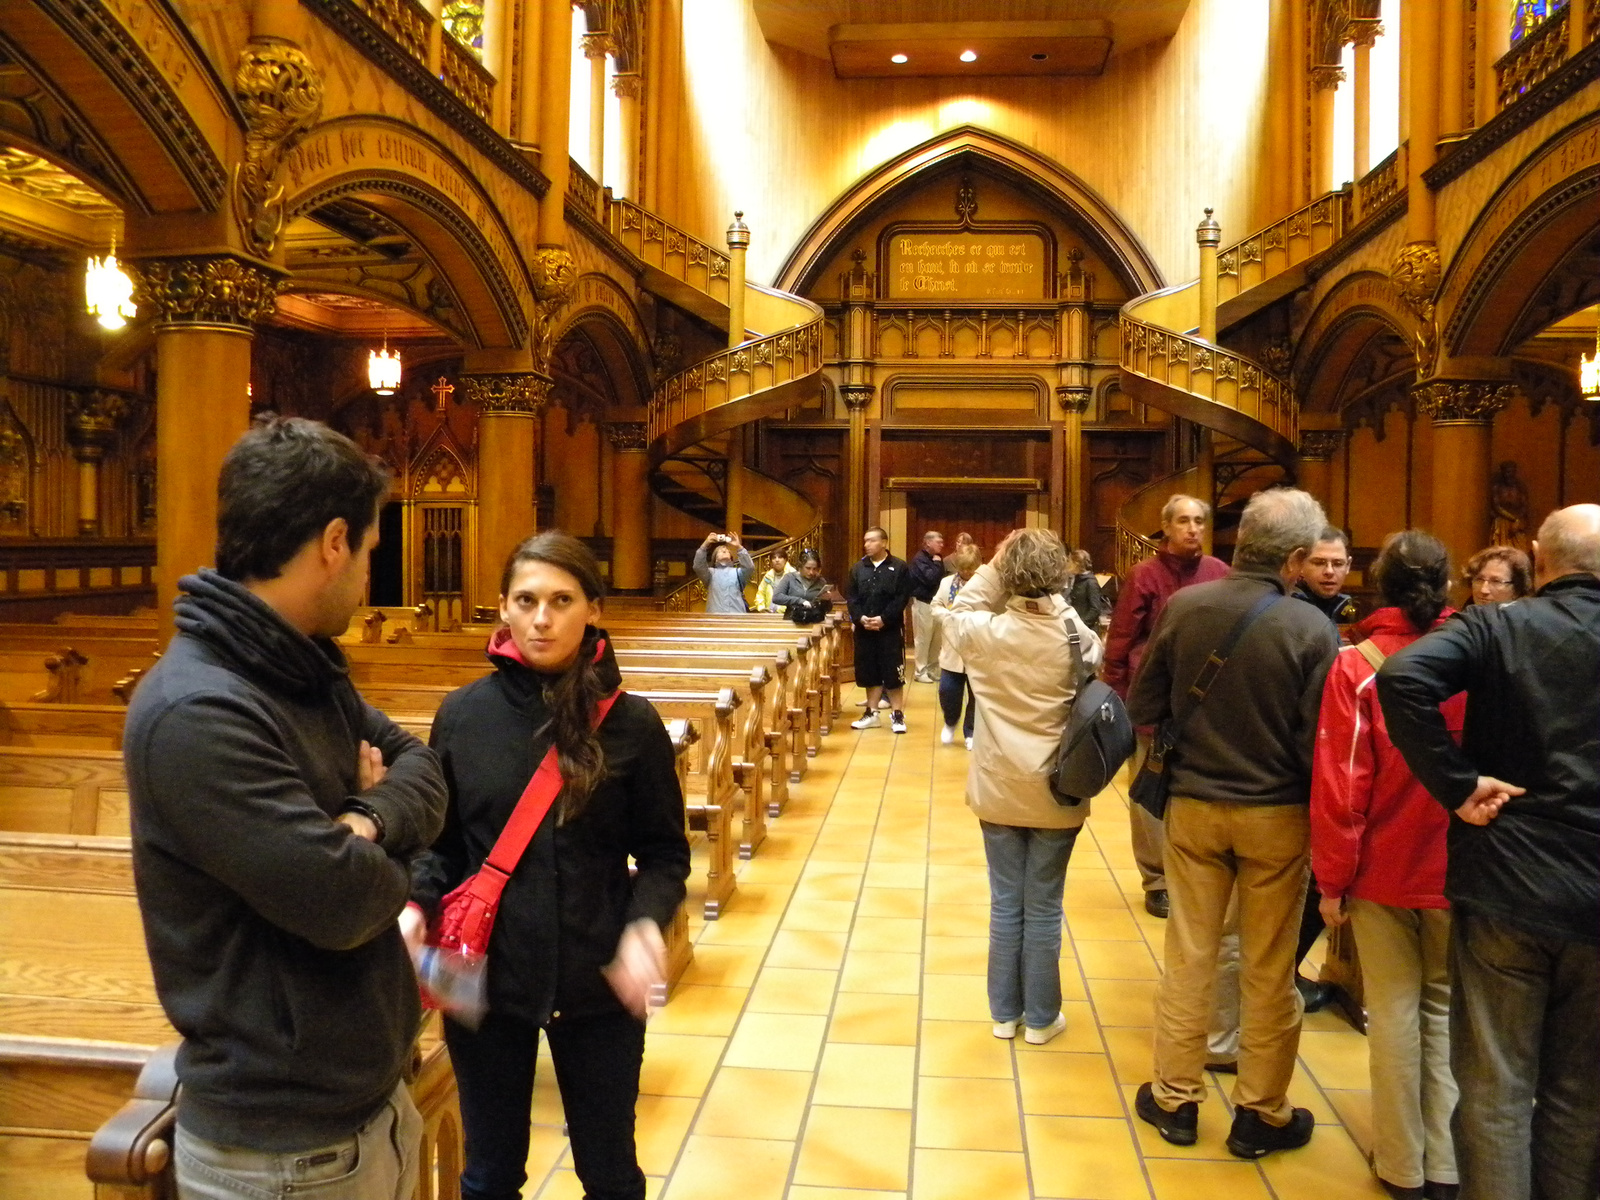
(370, 813)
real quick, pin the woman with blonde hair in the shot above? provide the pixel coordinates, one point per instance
(1014, 632)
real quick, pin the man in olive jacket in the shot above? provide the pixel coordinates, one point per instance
(1524, 872)
(274, 814)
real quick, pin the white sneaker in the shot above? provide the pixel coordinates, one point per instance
(1005, 1029)
(883, 703)
(1038, 1037)
(897, 722)
(870, 721)
(947, 735)
(969, 743)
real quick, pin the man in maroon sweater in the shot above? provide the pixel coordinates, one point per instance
(1181, 561)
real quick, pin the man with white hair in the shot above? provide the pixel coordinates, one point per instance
(1523, 879)
(1240, 784)
(1181, 562)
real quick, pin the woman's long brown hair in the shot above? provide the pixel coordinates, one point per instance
(572, 695)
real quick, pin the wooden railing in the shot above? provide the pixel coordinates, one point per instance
(1533, 59)
(406, 23)
(681, 266)
(689, 595)
(1283, 244)
(582, 189)
(468, 80)
(1140, 516)
(1380, 185)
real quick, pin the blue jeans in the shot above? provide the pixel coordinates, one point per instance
(1524, 1041)
(1027, 872)
(952, 684)
(597, 1062)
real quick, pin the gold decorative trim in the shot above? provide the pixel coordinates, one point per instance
(1458, 402)
(206, 291)
(509, 393)
(555, 278)
(628, 435)
(1320, 445)
(281, 95)
(1416, 275)
(922, 483)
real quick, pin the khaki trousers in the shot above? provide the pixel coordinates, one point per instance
(1405, 967)
(1149, 835)
(1213, 846)
(924, 638)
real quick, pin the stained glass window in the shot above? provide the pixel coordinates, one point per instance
(1527, 14)
(463, 20)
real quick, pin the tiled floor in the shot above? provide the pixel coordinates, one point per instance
(831, 1040)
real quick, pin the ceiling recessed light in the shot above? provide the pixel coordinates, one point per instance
(1038, 57)
(969, 56)
(898, 58)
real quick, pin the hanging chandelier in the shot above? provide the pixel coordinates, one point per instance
(383, 369)
(1589, 371)
(108, 292)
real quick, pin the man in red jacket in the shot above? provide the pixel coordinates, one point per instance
(1181, 561)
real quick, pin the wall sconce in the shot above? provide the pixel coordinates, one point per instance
(108, 292)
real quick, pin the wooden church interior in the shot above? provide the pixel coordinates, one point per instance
(653, 268)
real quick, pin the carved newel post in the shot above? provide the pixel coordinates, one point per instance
(1208, 235)
(733, 485)
(91, 428)
(630, 536)
(1463, 422)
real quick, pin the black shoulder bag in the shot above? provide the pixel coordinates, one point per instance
(1098, 737)
(1152, 784)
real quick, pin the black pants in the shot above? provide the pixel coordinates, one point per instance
(597, 1063)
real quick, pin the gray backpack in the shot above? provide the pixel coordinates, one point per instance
(1098, 738)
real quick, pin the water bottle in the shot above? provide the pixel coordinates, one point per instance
(456, 983)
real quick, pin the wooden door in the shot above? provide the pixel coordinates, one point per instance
(987, 516)
(1119, 464)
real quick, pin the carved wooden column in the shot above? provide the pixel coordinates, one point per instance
(555, 115)
(510, 405)
(1207, 235)
(91, 427)
(857, 396)
(205, 309)
(595, 48)
(1321, 437)
(1463, 421)
(1325, 81)
(856, 285)
(630, 537)
(1074, 394)
(1367, 32)
(629, 86)
(1419, 34)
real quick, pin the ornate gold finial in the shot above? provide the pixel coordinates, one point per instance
(1208, 232)
(738, 232)
(217, 290)
(280, 92)
(92, 418)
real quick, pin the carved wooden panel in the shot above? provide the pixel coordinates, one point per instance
(1116, 466)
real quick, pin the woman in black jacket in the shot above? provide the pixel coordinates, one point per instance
(577, 944)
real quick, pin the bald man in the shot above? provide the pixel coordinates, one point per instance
(1524, 873)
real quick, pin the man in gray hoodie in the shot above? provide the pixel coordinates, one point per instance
(274, 814)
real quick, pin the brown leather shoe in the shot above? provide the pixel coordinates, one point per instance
(1157, 904)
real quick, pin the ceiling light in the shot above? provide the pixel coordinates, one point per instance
(969, 56)
(108, 291)
(383, 369)
(898, 58)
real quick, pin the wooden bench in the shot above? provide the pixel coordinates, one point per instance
(62, 726)
(54, 791)
(106, 660)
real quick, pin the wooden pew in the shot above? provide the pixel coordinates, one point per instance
(108, 658)
(62, 726)
(53, 791)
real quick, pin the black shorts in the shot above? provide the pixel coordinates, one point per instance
(880, 655)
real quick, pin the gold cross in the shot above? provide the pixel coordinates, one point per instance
(442, 392)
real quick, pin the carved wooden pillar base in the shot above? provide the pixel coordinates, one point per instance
(1463, 422)
(508, 468)
(630, 537)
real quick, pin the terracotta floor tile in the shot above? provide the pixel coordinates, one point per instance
(793, 990)
(755, 1103)
(1087, 1158)
(821, 864)
(759, 897)
(955, 998)
(779, 1041)
(723, 966)
(866, 1076)
(963, 1048)
(1354, 1110)
(662, 1124)
(855, 1148)
(875, 1017)
(1176, 1179)
(1074, 1085)
(892, 934)
(546, 1145)
(1330, 1167)
(962, 888)
(877, 971)
(1336, 1060)
(1103, 924)
(1081, 1035)
(800, 1191)
(1092, 893)
(890, 902)
(1115, 960)
(698, 1008)
(766, 868)
(966, 1174)
(967, 1114)
(1132, 1052)
(828, 887)
(740, 929)
(725, 1168)
(678, 1064)
(812, 949)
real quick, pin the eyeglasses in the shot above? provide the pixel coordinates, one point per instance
(1490, 581)
(1338, 564)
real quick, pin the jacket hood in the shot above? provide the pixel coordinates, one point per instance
(1393, 623)
(246, 630)
(523, 683)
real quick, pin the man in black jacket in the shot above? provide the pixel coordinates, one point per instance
(926, 569)
(1524, 869)
(274, 814)
(879, 587)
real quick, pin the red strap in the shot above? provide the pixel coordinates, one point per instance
(530, 812)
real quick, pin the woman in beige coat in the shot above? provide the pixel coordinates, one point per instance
(1011, 627)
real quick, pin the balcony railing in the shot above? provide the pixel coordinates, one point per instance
(1381, 184)
(404, 21)
(582, 190)
(732, 374)
(1270, 252)
(468, 80)
(1533, 59)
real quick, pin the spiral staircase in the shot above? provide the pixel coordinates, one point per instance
(694, 413)
(1251, 412)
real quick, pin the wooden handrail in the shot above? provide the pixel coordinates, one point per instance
(134, 1148)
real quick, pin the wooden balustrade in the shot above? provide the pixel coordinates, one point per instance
(1270, 252)
(670, 255)
(1383, 183)
(1533, 59)
(583, 191)
(692, 591)
(43, 577)
(752, 367)
(467, 79)
(405, 22)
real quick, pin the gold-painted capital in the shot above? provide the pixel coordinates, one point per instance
(1365, 31)
(280, 93)
(92, 418)
(597, 44)
(856, 395)
(629, 85)
(628, 435)
(1074, 399)
(507, 393)
(1326, 75)
(1463, 402)
(1320, 445)
(204, 290)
